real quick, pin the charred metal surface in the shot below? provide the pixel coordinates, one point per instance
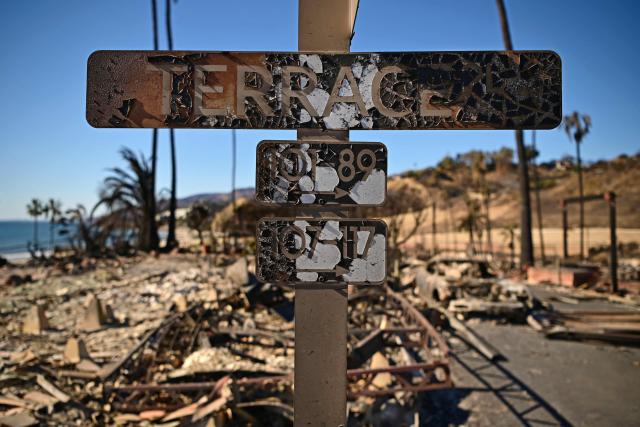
(425, 365)
(320, 173)
(296, 250)
(417, 355)
(404, 90)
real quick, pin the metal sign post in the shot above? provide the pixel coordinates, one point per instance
(320, 378)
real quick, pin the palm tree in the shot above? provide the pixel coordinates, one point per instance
(577, 126)
(45, 210)
(172, 242)
(53, 208)
(154, 135)
(129, 193)
(526, 241)
(90, 236)
(35, 208)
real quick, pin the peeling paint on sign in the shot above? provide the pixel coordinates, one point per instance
(296, 250)
(320, 173)
(403, 90)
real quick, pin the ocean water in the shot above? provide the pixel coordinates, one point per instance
(15, 237)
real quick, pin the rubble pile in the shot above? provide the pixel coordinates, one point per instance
(460, 287)
(182, 340)
(68, 330)
(617, 327)
(469, 287)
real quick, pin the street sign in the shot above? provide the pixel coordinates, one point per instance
(297, 250)
(278, 90)
(321, 173)
(318, 94)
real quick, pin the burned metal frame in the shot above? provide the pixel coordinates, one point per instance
(416, 377)
(123, 391)
(610, 198)
(168, 343)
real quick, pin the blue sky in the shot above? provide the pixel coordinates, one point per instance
(48, 149)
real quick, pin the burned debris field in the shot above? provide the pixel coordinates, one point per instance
(182, 339)
(334, 213)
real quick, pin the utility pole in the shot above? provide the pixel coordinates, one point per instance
(172, 241)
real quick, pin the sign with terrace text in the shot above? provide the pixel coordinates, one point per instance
(279, 90)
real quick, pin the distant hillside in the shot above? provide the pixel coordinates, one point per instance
(455, 180)
(214, 198)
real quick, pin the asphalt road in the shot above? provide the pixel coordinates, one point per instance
(542, 382)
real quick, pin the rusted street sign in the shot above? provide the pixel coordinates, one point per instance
(296, 250)
(392, 90)
(321, 173)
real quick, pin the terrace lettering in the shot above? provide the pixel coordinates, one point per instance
(280, 90)
(344, 90)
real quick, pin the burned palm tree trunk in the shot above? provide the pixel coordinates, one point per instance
(35, 210)
(233, 190)
(577, 126)
(150, 242)
(172, 242)
(536, 177)
(154, 21)
(526, 241)
(154, 135)
(581, 203)
(131, 191)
